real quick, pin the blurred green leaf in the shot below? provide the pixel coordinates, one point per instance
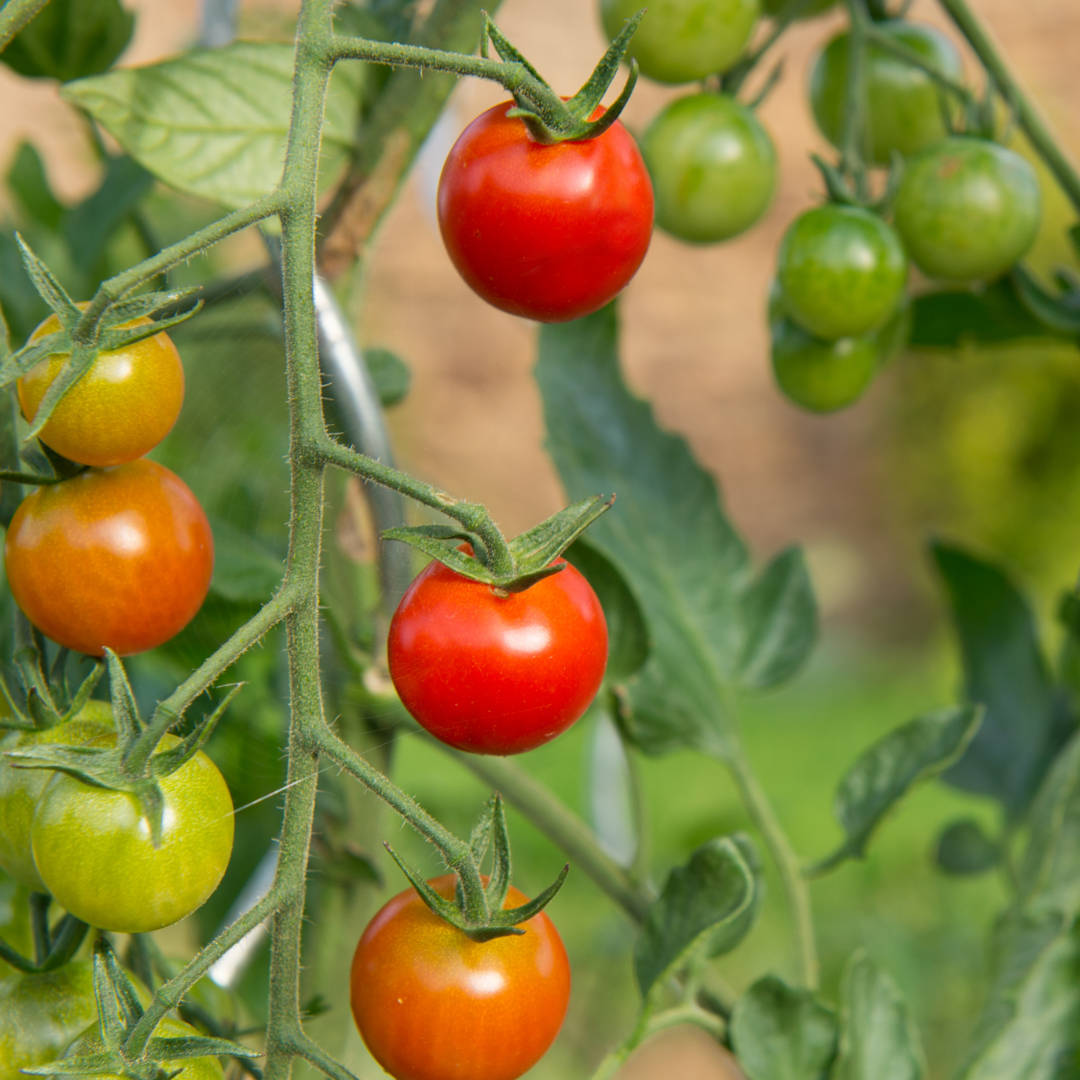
(963, 848)
(884, 774)
(1004, 670)
(245, 572)
(697, 914)
(783, 1034)
(69, 39)
(214, 122)
(628, 637)
(877, 1038)
(667, 535)
(780, 618)
(390, 374)
(89, 225)
(29, 183)
(1060, 313)
(1069, 660)
(991, 313)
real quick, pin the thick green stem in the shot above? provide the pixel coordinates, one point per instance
(889, 43)
(853, 131)
(795, 888)
(14, 15)
(1028, 117)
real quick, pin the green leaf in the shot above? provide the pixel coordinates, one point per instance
(885, 773)
(245, 572)
(877, 1038)
(390, 374)
(963, 849)
(89, 225)
(989, 314)
(666, 534)
(29, 183)
(1004, 670)
(69, 39)
(695, 914)
(780, 616)
(779, 1033)
(1059, 313)
(1069, 659)
(628, 637)
(213, 122)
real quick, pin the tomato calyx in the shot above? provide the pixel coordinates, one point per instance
(131, 765)
(86, 330)
(550, 119)
(477, 908)
(119, 1011)
(508, 565)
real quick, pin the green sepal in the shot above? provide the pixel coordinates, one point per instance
(76, 761)
(499, 883)
(445, 909)
(152, 805)
(512, 917)
(1060, 313)
(104, 1064)
(534, 549)
(445, 550)
(86, 689)
(19, 363)
(168, 761)
(837, 186)
(178, 1047)
(50, 290)
(125, 711)
(118, 337)
(481, 834)
(112, 978)
(507, 52)
(146, 304)
(584, 102)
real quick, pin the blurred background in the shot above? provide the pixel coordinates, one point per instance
(980, 445)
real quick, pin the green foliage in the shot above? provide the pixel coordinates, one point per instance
(70, 39)
(214, 122)
(964, 848)
(713, 627)
(390, 374)
(994, 313)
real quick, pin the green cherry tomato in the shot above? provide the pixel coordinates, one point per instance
(202, 1068)
(40, 1014)
(772, 8)
(903, 103)
(681, 41)
(967, 209)
(93, 850)
(713, 167)
(20, 788)
(842, 270)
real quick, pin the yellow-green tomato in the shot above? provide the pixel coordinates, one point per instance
(967, 209)
(202, 1068)
(41, 1014)
(713, 167)
(681, 41)
(903, 103)
(842, 270)
(94, 852)
(20, 788)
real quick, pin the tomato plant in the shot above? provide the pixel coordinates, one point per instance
(116, 558)
(124, 405)
(967, 209)
(40, 1014)
(905, 108)
(201, 1068)
(93, 849)
(546, 232)
(842, 270)
(681, 41)
(713, 167)
(20, 788)
(432, 1004)
(493, 672)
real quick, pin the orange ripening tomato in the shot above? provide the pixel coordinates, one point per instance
(122, 407)
(432, 1004)
(115, 558)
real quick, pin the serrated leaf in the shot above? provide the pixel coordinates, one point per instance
(878, 1040)
(1004, 670)
(29, 183)
(666, 534)
(70, 38)
(779, 614)
(214, 122)
(779, 1033)
(696, 912)
(964, 849)
(884, 774)
(628, 637)
(89, 225)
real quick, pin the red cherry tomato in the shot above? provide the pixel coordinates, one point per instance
(432, 1004)
(547, 232)
(118, 558)
(497, 674)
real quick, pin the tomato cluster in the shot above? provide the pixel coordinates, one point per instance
(119, 556)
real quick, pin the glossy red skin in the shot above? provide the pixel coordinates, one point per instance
(118, 558)
(497, 674)
(550, 233)
(431, 1004)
